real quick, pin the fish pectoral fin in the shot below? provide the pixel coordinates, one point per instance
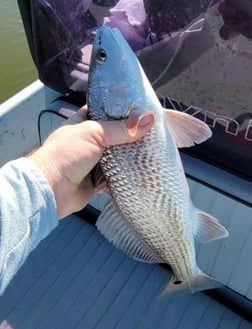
(98, 179)
(198, 282)
(114, 227)
(186, 129)
(208, 228)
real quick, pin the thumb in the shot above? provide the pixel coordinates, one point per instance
(125, 131)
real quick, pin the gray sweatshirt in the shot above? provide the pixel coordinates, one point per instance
(27, 214)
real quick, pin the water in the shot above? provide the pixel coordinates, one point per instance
(16, 66)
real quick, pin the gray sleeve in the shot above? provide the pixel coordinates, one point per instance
(27, 214)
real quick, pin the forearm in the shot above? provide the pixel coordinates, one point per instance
(27, 214)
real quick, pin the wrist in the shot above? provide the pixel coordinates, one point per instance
(50, 171)
(45, 166)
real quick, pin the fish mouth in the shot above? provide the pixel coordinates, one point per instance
(123, 116)
(97, 32)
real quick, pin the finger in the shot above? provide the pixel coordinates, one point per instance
(101, 188)
(133, 122)
(117, 132)
(67, 113)
(78, 117)
(84, 68)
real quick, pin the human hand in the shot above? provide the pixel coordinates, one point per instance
(237, 18)
(71, 152)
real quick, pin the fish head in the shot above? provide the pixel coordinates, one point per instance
(115, 85)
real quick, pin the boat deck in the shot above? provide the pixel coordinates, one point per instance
(76, 279)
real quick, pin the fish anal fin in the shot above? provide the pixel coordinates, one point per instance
(208, 228)
(115, 229)
(186, 129)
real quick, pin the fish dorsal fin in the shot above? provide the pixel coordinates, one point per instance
(186, 129)
(208, 228)
(114, 227)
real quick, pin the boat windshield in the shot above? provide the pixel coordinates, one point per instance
(195, 53)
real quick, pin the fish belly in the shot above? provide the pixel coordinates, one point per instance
(150, 191)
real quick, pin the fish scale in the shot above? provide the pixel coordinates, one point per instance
(132, 206)
(149, 216)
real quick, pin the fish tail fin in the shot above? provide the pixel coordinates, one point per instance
(200, 281)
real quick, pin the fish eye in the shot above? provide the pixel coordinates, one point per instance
(101, 56)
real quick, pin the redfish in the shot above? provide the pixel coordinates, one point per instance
(150, 215)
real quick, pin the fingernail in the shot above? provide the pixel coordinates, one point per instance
(146, 119)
